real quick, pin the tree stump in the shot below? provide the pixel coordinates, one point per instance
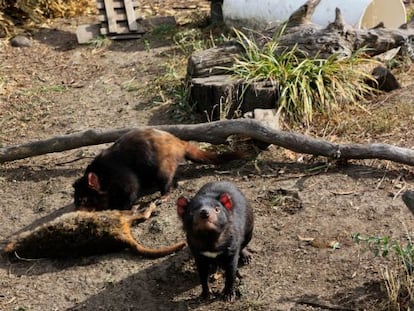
(232, 97)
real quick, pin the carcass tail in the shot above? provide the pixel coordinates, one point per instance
(157, 252)
(194, 154)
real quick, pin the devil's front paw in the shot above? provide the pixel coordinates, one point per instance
(229, 295)
(245, 257)
(206, 295)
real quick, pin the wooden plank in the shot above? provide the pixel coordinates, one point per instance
(132, 20)
(118, 15)
(131, 35)
(122, 28)
(117, 4)
(112, 26)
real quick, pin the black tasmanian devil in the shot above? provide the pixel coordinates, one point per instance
(138, 160)
(218, 222)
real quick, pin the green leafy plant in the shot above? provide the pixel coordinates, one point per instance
(182, 110)
(100, 42)
(398, 276)
(164, 29)
(410, 13)
(190, 40)
(305, 85)
(380, 246)
(172, 86)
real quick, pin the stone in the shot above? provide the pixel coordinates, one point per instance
(87, 33)
(20, 41)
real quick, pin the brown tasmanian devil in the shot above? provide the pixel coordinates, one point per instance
(138, 160)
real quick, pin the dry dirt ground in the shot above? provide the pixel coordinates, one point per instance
(56, 87)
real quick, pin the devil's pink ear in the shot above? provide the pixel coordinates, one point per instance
(226, 200)
(182, 203)
(93, 181)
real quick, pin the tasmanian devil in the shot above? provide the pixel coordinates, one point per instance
(138, 160)
(218, 222)
(83, 233)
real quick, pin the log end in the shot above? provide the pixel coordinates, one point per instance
(222, 96)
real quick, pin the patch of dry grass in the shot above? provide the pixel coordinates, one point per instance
(24, 12)
(387, 115)
(399, 284)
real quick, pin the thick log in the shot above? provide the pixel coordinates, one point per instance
(208, 62)
(338, 37)
(217, 133)
(325, 42)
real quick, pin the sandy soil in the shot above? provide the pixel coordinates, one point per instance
(57, 87)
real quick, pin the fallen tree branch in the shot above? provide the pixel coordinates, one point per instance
(217, 133)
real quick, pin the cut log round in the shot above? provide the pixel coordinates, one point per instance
(221, 96)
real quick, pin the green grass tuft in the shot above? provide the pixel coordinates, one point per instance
(306, 85)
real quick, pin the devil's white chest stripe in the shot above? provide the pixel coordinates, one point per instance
(210, 254)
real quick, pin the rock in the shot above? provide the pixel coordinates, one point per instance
(76, 59)
(20, 41)
(269, 117)
(87, 33)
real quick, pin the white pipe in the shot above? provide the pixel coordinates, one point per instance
(357, 13)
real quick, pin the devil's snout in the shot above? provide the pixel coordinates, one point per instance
(204, 213)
